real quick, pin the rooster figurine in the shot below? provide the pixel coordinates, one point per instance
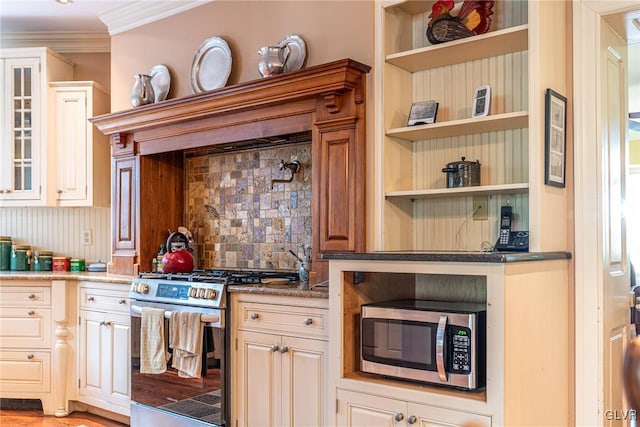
(451, 21)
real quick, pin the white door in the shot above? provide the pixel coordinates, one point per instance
(601, 265)
(615, 316)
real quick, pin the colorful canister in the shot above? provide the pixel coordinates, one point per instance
(20, 258)
(61, 263)
(77, 264)
(5, 253)
(43, 261)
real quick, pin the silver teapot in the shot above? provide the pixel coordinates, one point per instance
(273, 59)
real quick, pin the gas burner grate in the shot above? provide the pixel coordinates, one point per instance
(227, 276)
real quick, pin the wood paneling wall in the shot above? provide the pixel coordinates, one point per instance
(58, 230)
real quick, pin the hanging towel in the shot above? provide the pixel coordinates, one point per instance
(185, 338)
(153, 354)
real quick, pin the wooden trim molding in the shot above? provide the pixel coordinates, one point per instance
(326, 100)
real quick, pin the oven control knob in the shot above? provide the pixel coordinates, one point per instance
(193, 292)
(202, 292)
(211, 294)
(142, 288)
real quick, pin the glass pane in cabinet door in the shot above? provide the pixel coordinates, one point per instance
(27, 81)
(17, 81)
(27, 149)
(17, 177)
(17, 145)
(17, 120)
(17, 104)
(27, 119)
(27, 176)
(27, 104)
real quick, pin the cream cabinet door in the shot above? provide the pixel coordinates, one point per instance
(303, 372)
(431, 416)
(105, 360)
(259, 366)
(362, 410)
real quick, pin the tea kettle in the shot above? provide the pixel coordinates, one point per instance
(177, 260)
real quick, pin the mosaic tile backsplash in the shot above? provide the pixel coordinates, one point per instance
(237, 219)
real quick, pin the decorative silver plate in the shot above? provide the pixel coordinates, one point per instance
(297, 52)
(160, 81)
(211, 65)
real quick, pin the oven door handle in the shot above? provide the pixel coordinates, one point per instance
(204, 318)
(442, 325)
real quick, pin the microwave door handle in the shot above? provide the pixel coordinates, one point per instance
(442, 325)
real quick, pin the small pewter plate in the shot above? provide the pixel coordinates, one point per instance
(160, 81)
(211, 65)
(297, 52)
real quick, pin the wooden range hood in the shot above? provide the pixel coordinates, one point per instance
(148, 143)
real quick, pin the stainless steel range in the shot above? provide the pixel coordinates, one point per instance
(170, 398)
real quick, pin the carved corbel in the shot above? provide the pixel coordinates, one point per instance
(120, 144)
(333, 102)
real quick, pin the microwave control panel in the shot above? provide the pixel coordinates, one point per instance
(461, 354)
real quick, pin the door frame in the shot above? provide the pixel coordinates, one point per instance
(589, 277)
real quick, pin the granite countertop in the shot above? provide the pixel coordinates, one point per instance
(294, 289)
(448, 256)
(65, 275)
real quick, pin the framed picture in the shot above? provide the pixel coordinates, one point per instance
(423, 113)
(555, 139)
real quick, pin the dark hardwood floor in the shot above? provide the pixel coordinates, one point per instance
(35, 418)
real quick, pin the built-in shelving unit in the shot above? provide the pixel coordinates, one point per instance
(480, 190)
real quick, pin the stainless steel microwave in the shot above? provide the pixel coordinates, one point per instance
(430, 341)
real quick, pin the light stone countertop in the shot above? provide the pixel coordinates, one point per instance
(295, 289)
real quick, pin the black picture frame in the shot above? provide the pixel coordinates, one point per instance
(423, 113)
(555, 139)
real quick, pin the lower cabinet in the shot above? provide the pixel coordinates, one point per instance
(364, 410)
(104, 347)
(280, 375)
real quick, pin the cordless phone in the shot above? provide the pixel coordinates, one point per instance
(512, 241)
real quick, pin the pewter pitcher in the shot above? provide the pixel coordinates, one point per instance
(272, 59)
(142, 91)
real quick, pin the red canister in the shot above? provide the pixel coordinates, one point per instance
(61, 263)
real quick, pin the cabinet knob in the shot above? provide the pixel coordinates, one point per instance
(399, 416)
(32, 296)
(308, 321)
(92, 299)
(31, 312)
(105, 323)
(59, 191)
(122, 301)
(8, 190)
(30, 356)
(254, 316)
(274, 348)
(284, 349)
(411, 419)
(1, 191)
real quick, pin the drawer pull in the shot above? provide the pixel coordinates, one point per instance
(398, 416)
(254, 316)
(274, 348)
(308, 321)
(284, 349)
(411, 419)
(32, 296)
(91, 299)
(31, 312)
(105, 323)
(122, 301)
(30, 356)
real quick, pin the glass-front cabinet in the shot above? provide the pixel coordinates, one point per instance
(25, 74)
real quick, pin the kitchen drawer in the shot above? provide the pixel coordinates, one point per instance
(28, 371)
(25, 327)
(306, 321)
(104, 300)
(14, 296)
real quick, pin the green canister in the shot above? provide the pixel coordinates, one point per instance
(77, 264)
(20, 258)
(43, 261)
(5, 253)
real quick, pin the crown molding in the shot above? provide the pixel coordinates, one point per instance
(60, 41)
(136, 14)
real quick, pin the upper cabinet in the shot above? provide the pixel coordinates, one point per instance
(417, 210)
(82, 162)
(23, 109)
